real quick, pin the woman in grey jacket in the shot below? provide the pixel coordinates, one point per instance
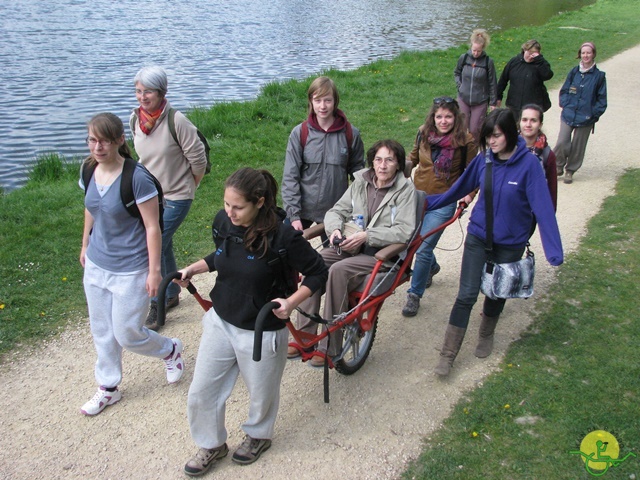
(322, 153)
(475, 76)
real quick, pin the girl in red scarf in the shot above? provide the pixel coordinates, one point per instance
(530, 125)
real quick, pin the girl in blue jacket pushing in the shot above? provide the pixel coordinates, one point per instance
(519, 192)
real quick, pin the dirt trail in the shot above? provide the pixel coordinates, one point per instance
(377, 418)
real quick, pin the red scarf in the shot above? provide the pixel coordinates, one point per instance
(539, 145)
(148, 120)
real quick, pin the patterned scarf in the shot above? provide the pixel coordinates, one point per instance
(148, 120)
(441, 154)
(539, 145)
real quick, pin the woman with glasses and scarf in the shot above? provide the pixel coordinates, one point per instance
(442, 151)
(519, 193)
(178, 166)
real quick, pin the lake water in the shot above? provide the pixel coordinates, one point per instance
(62, 61)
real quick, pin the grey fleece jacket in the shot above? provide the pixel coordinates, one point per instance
(314, 180)
(476, 79)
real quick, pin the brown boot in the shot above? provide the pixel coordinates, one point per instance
(450, 348)
(485, 336)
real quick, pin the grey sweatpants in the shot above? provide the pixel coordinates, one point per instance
(571, 147)
(225, 351)
(118, 305)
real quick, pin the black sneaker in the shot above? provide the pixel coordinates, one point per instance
(204, 458)
(434, 271)
(250, 450)
(152, 319)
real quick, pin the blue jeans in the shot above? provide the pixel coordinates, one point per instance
(175, 211)
(473, 260)
(425, 258)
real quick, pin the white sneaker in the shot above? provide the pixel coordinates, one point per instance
(100, 400)
(174, 363)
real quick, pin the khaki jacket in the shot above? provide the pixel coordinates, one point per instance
(393, 222)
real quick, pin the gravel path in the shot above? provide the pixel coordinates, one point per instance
(377, 418)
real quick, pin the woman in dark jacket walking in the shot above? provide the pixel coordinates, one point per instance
(526, 73)
(475, 76)
(583, 99)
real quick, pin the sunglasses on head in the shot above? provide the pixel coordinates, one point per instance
(445, 101)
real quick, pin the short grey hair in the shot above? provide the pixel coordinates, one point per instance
(153, 77)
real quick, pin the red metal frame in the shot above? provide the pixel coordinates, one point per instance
(367, 311)
(365, 308)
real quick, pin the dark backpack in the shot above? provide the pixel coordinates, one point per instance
(126, 187)
(171, 119)
(304, 134)
(475, 64)
(286, 279)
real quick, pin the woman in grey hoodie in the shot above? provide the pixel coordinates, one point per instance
(475, 76)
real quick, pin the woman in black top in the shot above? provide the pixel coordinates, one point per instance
(245, 283)
(526, 72)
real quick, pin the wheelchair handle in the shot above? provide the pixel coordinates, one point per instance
(162, 293)
(259, 329)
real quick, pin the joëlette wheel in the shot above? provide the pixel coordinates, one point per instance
(359, 344)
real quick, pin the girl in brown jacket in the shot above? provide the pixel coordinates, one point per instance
(442, 150)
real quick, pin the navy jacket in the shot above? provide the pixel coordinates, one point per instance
(519, 191)
(583, 97)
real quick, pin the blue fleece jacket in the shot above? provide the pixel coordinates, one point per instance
(519, 192)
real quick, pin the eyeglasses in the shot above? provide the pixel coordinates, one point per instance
(92, 142)
(445, 101)
(388, 160)
(145, 92)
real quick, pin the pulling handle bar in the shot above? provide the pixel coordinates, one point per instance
(259, 329)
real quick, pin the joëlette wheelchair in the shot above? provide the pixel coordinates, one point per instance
(359, 323)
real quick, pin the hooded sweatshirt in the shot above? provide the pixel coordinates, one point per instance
(315, 178)
(519, 192)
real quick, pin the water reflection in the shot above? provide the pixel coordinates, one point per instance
(65, 60)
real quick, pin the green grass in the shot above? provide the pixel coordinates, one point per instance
(575, 370)
(41, 224)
